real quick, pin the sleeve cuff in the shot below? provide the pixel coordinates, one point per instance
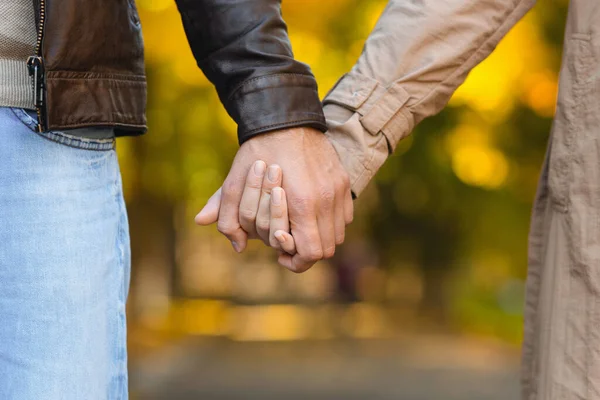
(274, 102)
(360, 154)
(366, 121)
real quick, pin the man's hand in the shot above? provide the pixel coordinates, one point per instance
(276, 212)
(263, 208)
(317, 188)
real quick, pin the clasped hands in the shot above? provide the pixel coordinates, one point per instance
(289, 189)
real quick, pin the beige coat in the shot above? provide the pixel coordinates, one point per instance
(418, 54)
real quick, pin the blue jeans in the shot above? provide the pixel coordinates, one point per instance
(64, 265)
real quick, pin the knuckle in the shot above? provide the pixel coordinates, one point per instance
(226, 228)
(254, 184)
(350, 218)
(327, 195)
(262, 225)
(329, 252)
(247, 214)
(303, 204)
(314, 255)
(299, 269)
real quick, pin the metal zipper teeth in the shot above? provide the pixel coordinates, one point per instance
(40, 32)
(38, 52)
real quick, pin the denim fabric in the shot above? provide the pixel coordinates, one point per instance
(29, 118)
(64, 266)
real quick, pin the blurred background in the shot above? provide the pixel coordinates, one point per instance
(425, 298)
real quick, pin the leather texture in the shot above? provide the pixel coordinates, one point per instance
(243, 48)
(94, 65)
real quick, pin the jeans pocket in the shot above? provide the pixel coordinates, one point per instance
(28, 118)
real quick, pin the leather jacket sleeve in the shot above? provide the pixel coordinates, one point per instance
(243, 48)
(413, 61)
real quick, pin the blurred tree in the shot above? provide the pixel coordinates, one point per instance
(454, 200)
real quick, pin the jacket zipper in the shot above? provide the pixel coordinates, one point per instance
(35, 66)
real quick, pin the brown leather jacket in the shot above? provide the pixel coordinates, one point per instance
(88, 69)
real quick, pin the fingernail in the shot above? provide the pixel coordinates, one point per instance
(276, 195)
(236, 246)
(274, 171)
(280, 237)
(259, 168)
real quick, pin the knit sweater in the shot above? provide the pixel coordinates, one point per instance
(18, 35)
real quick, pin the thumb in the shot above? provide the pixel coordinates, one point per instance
(210, 213)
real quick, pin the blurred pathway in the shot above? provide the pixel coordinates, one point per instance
(424, 368)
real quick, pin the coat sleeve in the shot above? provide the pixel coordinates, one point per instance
(242, 46)
(416, 57)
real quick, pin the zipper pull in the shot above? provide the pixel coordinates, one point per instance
(36, 71)
(35, 67)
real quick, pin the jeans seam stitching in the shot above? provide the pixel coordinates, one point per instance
(119, 244)
(58, 137)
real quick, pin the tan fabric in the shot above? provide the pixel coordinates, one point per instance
(561, 353)
(418, 54)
